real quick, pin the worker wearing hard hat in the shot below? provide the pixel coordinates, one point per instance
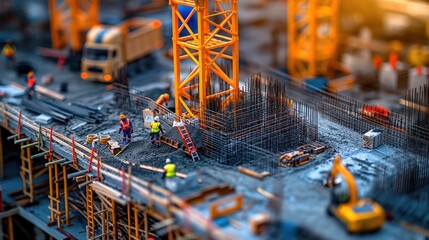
(155, 130)
(8, 52)
(127, 129)
(170, 175)
(31, 85)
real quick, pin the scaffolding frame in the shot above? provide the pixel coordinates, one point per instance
(70, 19)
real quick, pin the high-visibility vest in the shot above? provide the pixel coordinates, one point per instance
(170, 170)
(155, 127)
(125, 125)
(31, 82)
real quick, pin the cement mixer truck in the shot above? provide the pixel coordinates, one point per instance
(109, 48)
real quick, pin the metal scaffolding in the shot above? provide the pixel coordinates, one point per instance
(213, 43)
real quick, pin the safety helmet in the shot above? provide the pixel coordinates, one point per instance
(30, 74)
(156, 118)
(122, 116)
(167, 160)
(166, 96)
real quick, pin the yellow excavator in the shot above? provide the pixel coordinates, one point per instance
(358, 215)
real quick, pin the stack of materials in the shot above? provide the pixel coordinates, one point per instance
(113, 146)
(63, 112)
(373, 138)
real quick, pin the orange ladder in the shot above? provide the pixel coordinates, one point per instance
(190, 146)
(90, 212)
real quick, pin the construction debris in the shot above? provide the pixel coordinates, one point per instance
(301, 155)
(113, 147)
(267, 194)
(43, 119)
(123, 149)
(63, 112)
(252, 173)
(259, 223)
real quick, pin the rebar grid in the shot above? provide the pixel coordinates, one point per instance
(264, 121)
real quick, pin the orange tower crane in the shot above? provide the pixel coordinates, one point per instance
(214, 42)
(312, 37)
(70, 20)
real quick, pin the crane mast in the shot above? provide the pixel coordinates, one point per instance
(207, 49)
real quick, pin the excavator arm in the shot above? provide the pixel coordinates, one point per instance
(338, 168)
(359, 215)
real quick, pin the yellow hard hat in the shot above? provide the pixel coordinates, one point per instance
(30, 74)
(122, 116)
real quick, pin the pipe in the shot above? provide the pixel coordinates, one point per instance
(76, 174)
(39, 155)
(12, 137)
(29, 145)
(21, 140)
(56, 162)
(66, 163)
(84, 184)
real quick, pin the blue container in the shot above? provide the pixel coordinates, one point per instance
(316, 84)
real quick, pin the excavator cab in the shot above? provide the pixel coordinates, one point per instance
(358, 215)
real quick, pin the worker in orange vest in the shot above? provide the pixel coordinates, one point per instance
(8, 52)
(31, 85)
(127, 129)
(162, 100)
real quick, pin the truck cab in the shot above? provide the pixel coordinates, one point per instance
(109, 48)
(102, 54)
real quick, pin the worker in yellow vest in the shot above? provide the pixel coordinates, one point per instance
(170, 175)
(8, 52)
(155, 130)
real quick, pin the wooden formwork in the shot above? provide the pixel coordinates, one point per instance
(102, 202)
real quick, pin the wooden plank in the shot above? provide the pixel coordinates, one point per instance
(252, 173)
(42, 90)
(266, 194)
(414, 105)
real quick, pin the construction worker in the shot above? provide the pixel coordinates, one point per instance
(162, 100)
(127, 129)
(155, 130)
(170, 175)
(9, 53)
(31, 85)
